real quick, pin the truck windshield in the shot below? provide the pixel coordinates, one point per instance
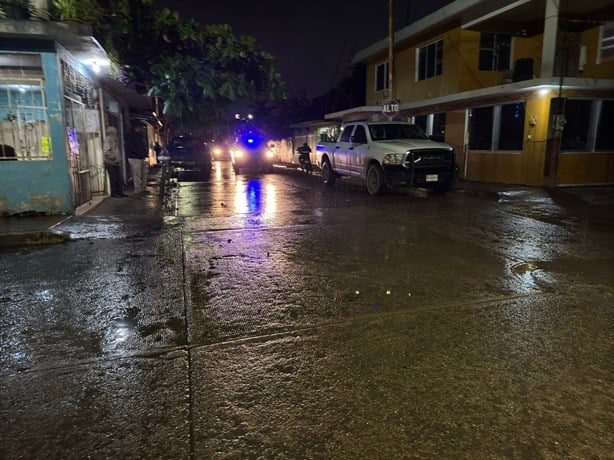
(386, 132)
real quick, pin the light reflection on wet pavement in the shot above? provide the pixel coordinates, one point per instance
(267, 316)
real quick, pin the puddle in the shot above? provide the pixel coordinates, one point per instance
(525, 268)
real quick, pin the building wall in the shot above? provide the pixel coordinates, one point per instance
(41, 185)
(525, 166)
(593, 68)
(528, 47)
(460, 74)
(586, 168)
(460, 71)
(455, 135)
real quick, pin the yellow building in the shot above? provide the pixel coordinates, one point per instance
(523, 89)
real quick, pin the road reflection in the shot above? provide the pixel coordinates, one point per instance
(255, 199)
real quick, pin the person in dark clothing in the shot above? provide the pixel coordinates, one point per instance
(157, 148)
(111, 162)
(138, 154)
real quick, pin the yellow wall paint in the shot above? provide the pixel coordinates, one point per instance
(586, 168)
(455, 135)
(590, 39)
(460, 73)
(528, 47)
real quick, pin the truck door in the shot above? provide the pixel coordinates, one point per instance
(342, 160)
(357, 151)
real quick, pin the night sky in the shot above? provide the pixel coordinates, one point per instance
(312, 41)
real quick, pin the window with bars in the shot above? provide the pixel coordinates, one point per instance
(24, 127)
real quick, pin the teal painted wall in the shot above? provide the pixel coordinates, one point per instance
(41, 185)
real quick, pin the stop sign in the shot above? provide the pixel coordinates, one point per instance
(390, 108)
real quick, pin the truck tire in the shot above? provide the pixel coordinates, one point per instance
(375, 179)
(328, 175)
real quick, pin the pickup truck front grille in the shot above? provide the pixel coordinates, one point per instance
(429, 158)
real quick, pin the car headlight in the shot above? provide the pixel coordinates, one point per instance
(269, 154)
(217, 151)
(237, 153)
(393, 159)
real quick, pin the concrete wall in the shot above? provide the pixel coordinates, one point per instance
(41, 185)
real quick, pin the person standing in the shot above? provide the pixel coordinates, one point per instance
(110, 148)
(158, 150)
(137, 157)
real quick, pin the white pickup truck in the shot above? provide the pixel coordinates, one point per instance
(388, 154)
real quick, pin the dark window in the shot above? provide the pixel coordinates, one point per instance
(439, 127)
(497, 128)
(390, 131)
(578, 117)
(588, 126)
(347, 132)
(360, 136)
(511, 126)
(434, 125)
(420, 120)
(605, 133)
(381, 77)
(495, 51)
(430, 58)
(480, 128)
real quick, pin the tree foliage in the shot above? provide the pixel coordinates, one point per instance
(195, 70)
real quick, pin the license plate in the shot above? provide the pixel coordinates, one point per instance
(432, 177)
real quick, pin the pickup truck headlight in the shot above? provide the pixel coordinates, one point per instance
(394, 159)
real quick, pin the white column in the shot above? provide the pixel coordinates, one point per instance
(551, 25)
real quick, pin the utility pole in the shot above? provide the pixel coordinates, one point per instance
(390, 107)
(390, 50)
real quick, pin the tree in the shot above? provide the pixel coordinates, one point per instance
(195, 70)
(275, 117)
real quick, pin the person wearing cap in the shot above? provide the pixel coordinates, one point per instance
(110, 148)
(137, 152)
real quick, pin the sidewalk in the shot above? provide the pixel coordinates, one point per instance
(34, 229)
(38, 229)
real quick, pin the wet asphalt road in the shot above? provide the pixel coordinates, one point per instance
(267, 316)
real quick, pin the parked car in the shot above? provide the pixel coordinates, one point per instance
(189, 152)
(251, 151)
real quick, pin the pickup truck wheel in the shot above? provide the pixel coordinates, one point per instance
(328, 175)
(375, 180)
